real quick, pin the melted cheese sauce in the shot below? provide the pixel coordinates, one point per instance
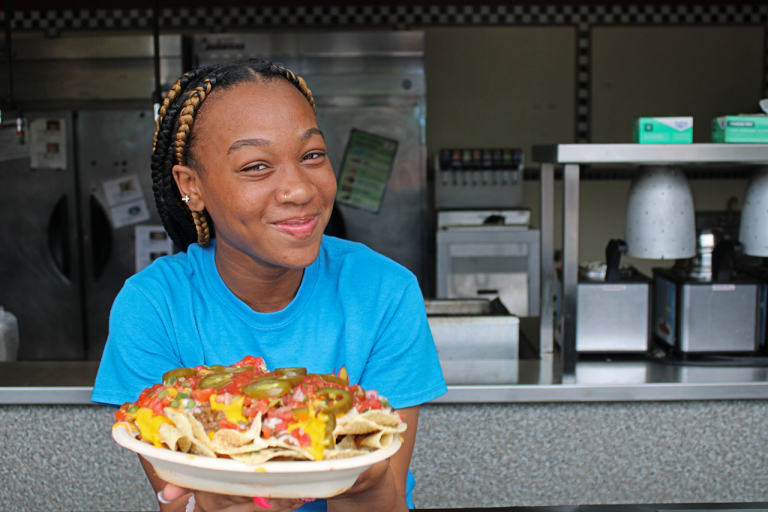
(233, 412)
(149, 425)
(315, 429)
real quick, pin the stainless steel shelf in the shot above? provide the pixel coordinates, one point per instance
(571, 157)
(532, 381)
(646, 154)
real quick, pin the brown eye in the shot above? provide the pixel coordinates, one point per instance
(314, 155)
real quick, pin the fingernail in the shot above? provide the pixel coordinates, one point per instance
(161, 499)
(261, 502)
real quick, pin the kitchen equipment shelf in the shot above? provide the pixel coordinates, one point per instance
(571, 157)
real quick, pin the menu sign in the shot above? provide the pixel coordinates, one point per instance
(365, 170)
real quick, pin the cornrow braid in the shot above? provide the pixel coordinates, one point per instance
(174, 138)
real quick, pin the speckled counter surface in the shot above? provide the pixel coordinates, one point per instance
(56, 458)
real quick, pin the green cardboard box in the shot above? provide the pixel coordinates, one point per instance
(740, 129)
(663, 130)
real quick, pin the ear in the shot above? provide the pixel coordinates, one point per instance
(189, 185)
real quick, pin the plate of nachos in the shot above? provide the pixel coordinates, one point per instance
(245, 430)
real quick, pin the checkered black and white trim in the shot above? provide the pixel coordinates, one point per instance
(392, 16)
(583, 17)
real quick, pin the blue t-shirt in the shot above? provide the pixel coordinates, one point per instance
(354, 308)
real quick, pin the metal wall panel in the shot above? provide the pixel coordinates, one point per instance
(39, 262)
(111, 144)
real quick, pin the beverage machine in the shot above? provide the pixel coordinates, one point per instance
(485, 245)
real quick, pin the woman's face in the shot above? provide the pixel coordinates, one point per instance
(262, 172)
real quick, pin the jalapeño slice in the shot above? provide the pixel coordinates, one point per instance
(268, 387)
(177, 373)
(329, 421)
(341, 406)
(215, 380)
(291, 375)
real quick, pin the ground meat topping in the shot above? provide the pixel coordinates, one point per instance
(208, 417)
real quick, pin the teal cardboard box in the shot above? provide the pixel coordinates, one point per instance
(663, 130)
(740, 129)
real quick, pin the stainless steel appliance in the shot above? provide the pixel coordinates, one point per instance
(695, 314)
(477, 340)
(488, 254)
(485, 247)
(88, 124)
(478, 178)
(613, 306)
(71, 254)
(369, 81)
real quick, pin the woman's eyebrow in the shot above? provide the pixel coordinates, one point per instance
(310, 133)
(262, 143)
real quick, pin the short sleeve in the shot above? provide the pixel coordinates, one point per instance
(403, 365)
(138, 347)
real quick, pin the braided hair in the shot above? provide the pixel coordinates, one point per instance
(174, 138)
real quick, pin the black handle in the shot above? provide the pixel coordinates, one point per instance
(58, 237)
(613, 252)
(101, 238)
(722, 260)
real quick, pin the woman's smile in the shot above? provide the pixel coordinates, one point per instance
(298, 227)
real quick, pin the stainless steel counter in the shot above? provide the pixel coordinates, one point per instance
(528, 381)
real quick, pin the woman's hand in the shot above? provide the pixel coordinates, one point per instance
(374, 490)
(211, 502)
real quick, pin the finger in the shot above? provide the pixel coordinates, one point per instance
(171, 493)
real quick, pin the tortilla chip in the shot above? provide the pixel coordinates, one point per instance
(366, 423)
(265, 455)
(378, 440)
(229, 441)
(343, 453)
(173, 438)
(185, 424)
(302, 454)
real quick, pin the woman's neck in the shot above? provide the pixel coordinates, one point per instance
(266, 288)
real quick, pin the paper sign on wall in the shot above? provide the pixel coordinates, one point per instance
(365, 170)
(129, 213)
(152, 242)
(122, 190)
(48, 143)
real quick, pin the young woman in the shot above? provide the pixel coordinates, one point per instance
(244, 186)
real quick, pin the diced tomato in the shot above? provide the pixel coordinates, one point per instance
(371, 403)
(302, 437)
(231, 388)
(121, 415)
(202, 395)
(225, 423)
(266, 432)
(256, 362)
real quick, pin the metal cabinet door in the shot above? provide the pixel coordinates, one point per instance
(111, 144)
(399, 229)
(39, 260)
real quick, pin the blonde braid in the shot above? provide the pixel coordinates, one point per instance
(298, 82)
(201, 225)
(186, 120)
(172, 94)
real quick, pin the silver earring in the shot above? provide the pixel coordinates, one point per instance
(185, 199)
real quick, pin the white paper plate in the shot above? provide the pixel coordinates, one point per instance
(292, 479)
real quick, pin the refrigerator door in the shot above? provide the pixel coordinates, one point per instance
(39, 265)
(113, 147)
